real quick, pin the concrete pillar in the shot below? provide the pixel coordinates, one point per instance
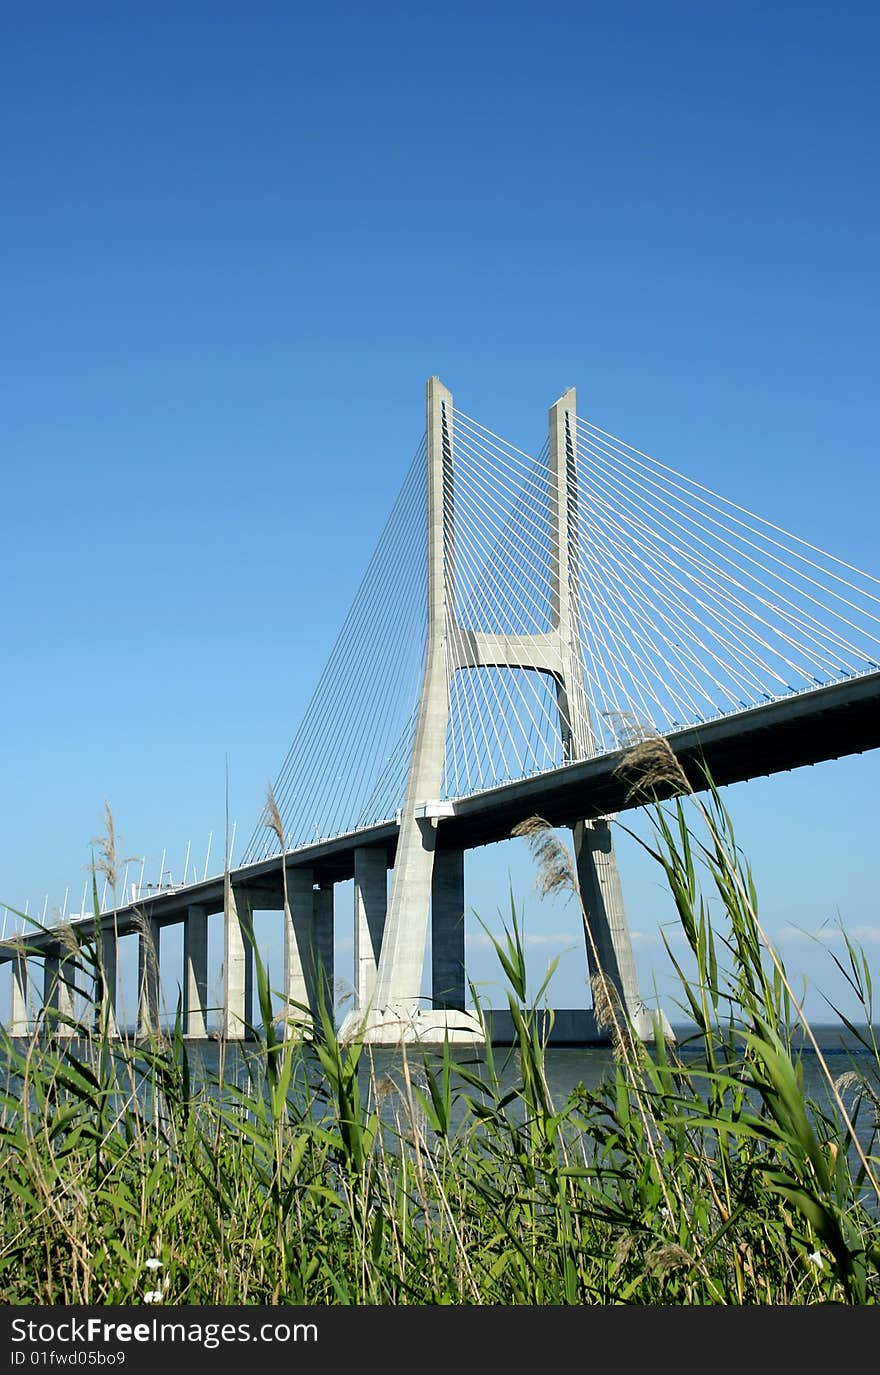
(195, 973)
(324, 946)
(571, 697)
(148, 979)
(238, 965)
(106, 982)
(394, 1005)
(402, 958)
(299, 935)
(599, 881)
(447, 930)
(57, 995)
(598, 874)
(370, 910)
(308, 944)
(19, 1020)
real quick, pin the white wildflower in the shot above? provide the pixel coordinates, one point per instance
(815, 1258)
(153, 1263)
(153, 1296)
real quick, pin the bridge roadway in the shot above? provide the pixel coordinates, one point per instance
(810, 727)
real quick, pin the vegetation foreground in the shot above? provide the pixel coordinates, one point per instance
(714, 1179)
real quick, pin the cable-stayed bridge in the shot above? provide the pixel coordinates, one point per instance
(523, 619)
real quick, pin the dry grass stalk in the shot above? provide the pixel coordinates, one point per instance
(556, 873)
(272, 816)
(667, 1259)
(555, 870)
(604, 1001)
(67, 938)
(653, 769)
(623, 1248)
(272, 819)
(149, 967)
(109, 861)
(629, 729)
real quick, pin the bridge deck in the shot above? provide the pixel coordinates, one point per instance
(825, 723)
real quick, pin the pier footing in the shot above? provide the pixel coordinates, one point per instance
(421, 1027)
(560, 1027)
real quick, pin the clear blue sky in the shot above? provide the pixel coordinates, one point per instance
(236, 240)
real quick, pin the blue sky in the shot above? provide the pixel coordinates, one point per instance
(237, 241)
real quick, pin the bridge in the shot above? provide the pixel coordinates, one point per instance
(523, 617)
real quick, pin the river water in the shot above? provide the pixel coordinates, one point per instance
(567, 1067)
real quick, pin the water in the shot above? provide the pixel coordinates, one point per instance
(567, 1067)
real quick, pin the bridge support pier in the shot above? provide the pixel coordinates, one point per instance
(238, 965)
(608, 941)
(302, 952)
(370, 911)
(57, 995)
(324, 966)
(393, 1014)
(148, 979)
(195, 973)
(308, 950)
(447, 930)
(19, 1022)
(299, 929)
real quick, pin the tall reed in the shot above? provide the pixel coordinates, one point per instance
(692, 1174)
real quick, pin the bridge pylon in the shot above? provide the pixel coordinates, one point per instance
(607, 936)
(428, 879)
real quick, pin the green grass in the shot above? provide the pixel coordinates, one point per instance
(697, 1179)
